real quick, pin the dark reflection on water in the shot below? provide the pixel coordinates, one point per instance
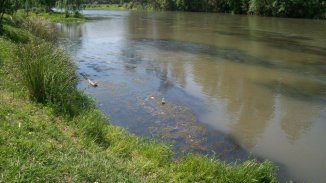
(234, 85)
(234, 55)
(283, 41)
(307, 91)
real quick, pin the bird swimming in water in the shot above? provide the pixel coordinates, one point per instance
(163, 101)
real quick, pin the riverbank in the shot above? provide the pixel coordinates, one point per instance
(288, 9)
(61, 17)
(56, 17)
(52, 132)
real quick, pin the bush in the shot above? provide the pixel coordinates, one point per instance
(48, 74)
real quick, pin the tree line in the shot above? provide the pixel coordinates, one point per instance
(277, 8)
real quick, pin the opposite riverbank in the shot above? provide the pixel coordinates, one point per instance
(50, 131)
(272, 8)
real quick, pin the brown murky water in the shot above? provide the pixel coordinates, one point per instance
(233, 85)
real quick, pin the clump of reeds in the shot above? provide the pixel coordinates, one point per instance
(48, 74)
(40, 28)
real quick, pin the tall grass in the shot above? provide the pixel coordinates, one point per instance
(40, 28)
(48, 74)
(93, 124)
(195, 168)
(16, 35)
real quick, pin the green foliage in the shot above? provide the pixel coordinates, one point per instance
(48, 4)
(69, 6)
(126, 6)
(38, 6)
(279, 8)
(6, 6)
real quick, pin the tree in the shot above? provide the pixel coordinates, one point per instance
(70, 6)
(6, 6)
(48, 4)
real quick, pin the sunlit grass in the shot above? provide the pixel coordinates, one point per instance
(37, 144)
(61, 17)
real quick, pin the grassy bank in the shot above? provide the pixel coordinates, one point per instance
(51, 132)
(125, 6)
(54, 16)
(61, 17)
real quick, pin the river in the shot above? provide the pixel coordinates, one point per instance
(234, 86)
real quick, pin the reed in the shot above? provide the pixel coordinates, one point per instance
(48, 74)
(40, 28)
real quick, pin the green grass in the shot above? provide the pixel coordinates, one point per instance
(38, 144)
(59, 17)
(16, 35)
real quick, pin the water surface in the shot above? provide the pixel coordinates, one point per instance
(235, 86)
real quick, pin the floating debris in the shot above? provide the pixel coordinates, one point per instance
(92, 83)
